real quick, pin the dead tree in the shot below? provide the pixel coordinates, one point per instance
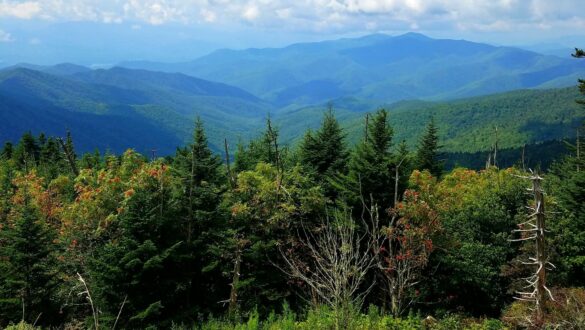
(69, 156)
(534, 230)
(233, 301)
(338, 259)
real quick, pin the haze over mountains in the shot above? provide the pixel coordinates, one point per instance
(149, 105)
(378, 67)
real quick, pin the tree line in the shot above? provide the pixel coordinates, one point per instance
(130, 242)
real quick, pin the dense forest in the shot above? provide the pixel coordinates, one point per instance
(319, 236)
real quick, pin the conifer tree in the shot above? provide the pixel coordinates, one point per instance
(143, 255)
(427, 154)
(324, 152)
(370, 167)
(27, 152)
(7, 150)
(50, 160)
(203, 184)
(264, 149)
(27, 282)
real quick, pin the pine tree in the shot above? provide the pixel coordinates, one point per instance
(324, 151)
(427, 155)
(27, 264)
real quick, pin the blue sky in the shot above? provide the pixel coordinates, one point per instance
(109, 31)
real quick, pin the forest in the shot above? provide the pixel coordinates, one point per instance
(322, 236)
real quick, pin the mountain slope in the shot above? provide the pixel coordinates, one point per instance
(121, 108)
(465, 125)
(380, 68)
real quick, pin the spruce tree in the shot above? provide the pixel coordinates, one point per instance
(427, 154)
(264, 149)
(7, 150)
(371, 173)
(51, 161)
(203, 184)
(324, 151)
(27, 152)
(142, 257)
(27, 267)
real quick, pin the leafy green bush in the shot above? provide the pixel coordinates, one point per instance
(21, 326)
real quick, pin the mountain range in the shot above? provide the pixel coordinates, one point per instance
(379, 68)
(469, 88)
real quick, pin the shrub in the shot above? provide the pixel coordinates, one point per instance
(566, 312)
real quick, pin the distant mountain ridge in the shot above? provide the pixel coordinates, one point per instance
(378, 67)
(415, 77)
(141, 109)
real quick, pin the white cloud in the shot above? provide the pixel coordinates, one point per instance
(5, 36)
(251, 13)
(23, 10)
(35, 41)
(308, 15)
(208, 15)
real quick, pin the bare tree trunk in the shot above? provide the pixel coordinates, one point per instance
(536, 231)
(70, 158)
(227, 163)
(540, 248)
(235, 280)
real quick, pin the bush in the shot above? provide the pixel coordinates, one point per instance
(566, 312)
(21, 326)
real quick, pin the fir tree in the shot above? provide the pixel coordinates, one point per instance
(203, 183)
(7, 150)
(27, 279)
(51, 162)
(427, 154)
(370, 174)
(27, 152)
(142, 257)
(263, 149)
(324, 151)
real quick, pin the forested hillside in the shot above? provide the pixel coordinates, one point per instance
(141, 109)
(323, 236)
(155, 111)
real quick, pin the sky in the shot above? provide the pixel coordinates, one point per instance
(105, 32)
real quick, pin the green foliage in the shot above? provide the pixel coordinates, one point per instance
(427, 154)
(142, 254)
(169, 238)
(371, 167)
(324, 152)
(27, 283)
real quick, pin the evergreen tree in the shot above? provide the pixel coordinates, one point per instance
(427, 155)
(27, 152)
(263, 149)
(203, 184)
(50, 160)
(142, 256)
(371, 167)
(27, 278)
(579, 53)
(324, 151)
(7, 150)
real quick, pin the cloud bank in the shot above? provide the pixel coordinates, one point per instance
(337, 16)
